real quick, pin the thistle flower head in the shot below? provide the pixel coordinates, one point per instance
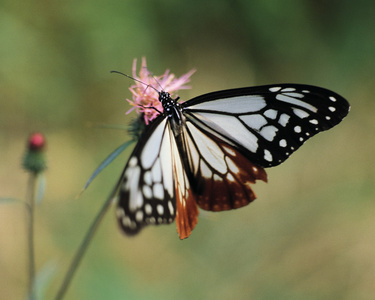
(145, 96)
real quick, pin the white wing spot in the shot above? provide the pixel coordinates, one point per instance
(284, 119)
(282, 143)
(148, 209)
(301, 139)
(294, 101)
(158, 191)
(297, 95)
(126, 221)
(139, 216)
(333, 99)
(275, 89)
(314, 121)
(305, 91)
(271, 113)
(230, 177)
(170, 207)
(300, 113)
(160, 209)
(332, 109)
(133, 161)
(290, 89)
(328, 118)
(297, 129)
(231, 165)
(267, 155)
(147, 178)
(230, 151)
(147, 191)
(217, 178)
(269, 132)
(206, 172)
(254, 121)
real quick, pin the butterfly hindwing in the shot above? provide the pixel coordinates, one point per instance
(187, 210)
(267, 123)
(220, 176)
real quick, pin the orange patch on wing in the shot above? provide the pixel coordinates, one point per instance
(186, 214)
(186, 206)
(233, 189)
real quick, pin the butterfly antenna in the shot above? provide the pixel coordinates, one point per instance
(140, 81)
(152, 75)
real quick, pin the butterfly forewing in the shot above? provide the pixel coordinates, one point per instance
(147, 194)
(267, 123)
(154, 188)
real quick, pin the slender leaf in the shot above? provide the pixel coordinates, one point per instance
(106, 162)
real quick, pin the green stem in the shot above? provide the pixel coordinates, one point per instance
(30, 234)
(82, 249)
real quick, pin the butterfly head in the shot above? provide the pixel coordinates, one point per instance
(166, 101)
(164, 97)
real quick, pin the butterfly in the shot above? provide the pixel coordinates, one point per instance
(208, 151)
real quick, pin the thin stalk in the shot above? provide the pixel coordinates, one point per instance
(30, 235)
(82, 249)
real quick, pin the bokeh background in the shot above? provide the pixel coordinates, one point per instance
(310, 234)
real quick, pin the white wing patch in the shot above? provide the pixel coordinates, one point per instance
(208, 149)
(256, 121)
(148, 155)
(296, 102)
(231, 127)
(241, 104)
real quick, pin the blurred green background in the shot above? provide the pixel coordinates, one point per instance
(310, 234)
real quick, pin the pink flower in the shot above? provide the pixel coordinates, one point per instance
(145, 96)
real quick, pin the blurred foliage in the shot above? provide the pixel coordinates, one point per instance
(311, 233)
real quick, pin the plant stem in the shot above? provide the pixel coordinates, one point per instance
(30, 234)
(82, 249)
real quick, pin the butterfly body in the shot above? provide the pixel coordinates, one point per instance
(208, 151)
